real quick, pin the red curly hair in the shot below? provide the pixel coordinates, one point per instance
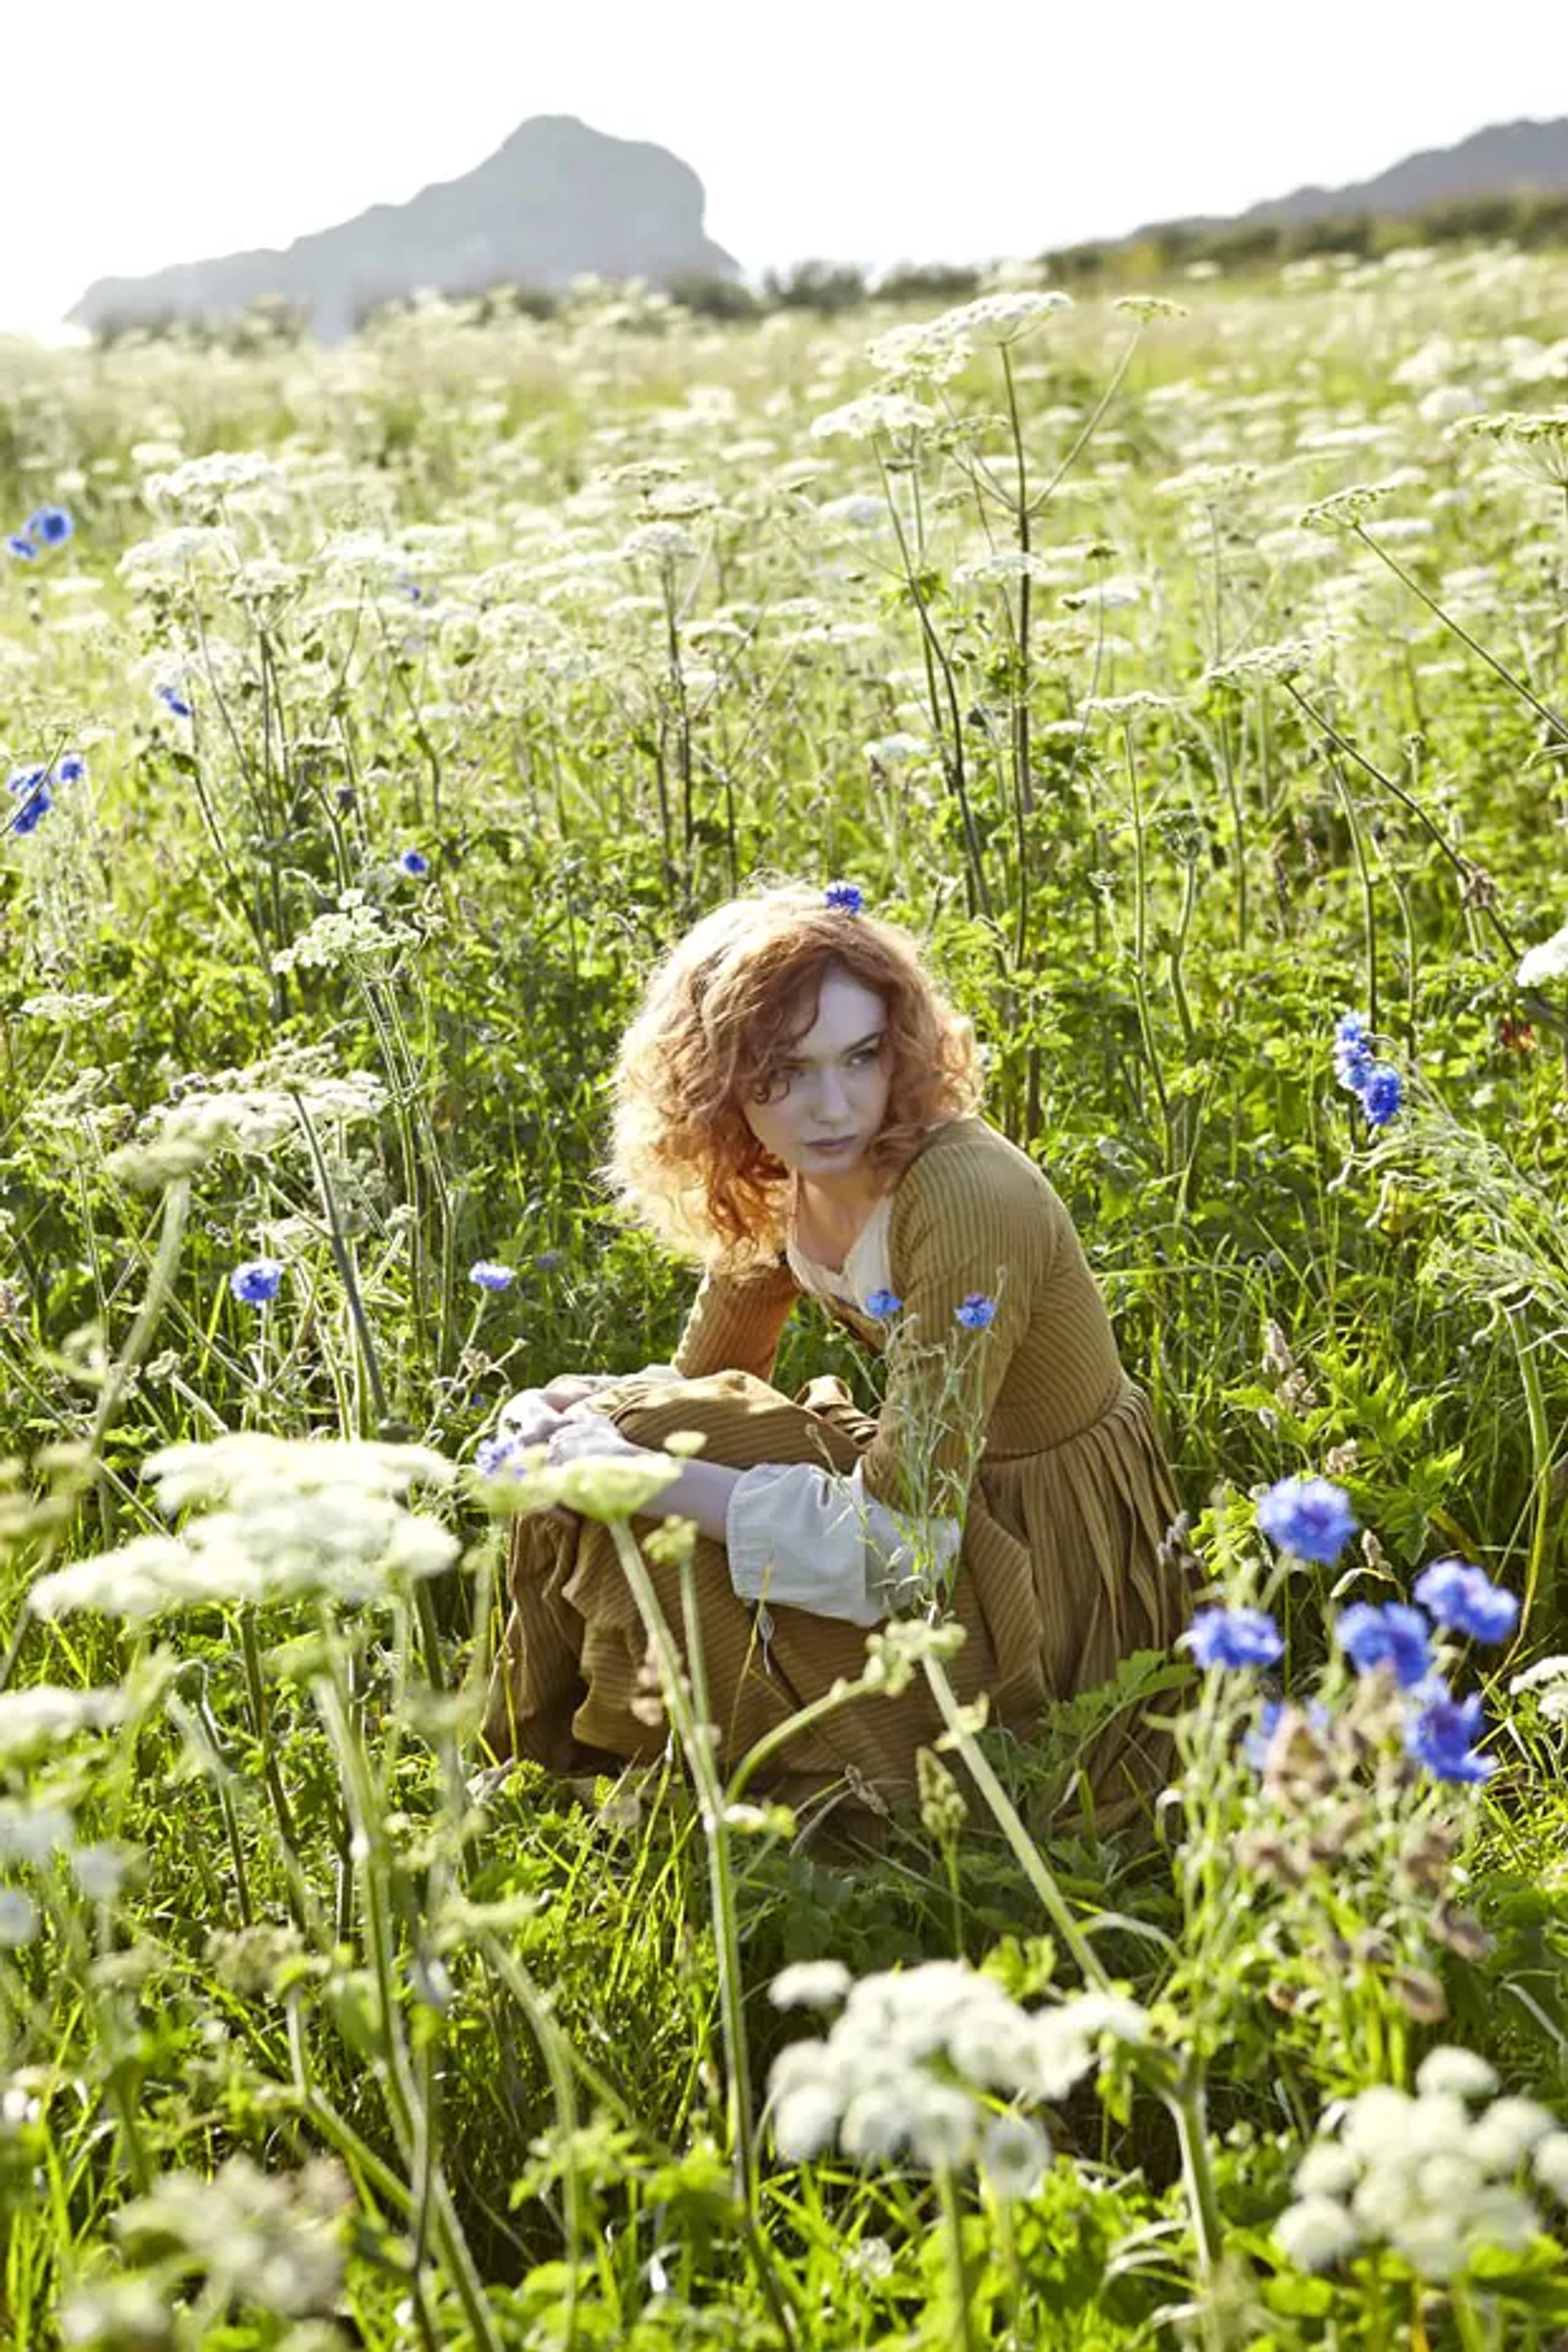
(717, 1015)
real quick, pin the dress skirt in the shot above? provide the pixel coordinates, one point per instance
(1063, 1572)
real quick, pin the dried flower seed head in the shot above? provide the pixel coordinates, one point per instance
(1296, 1764)
(1418, 1992)
(1427, 1855)
(1266, 1854)
(1461, 1932)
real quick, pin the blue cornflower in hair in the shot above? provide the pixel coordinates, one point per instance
(1465, 1600)
(976, 1312)
(847, 896)
(256, 1282)
(174, 700)
(21, 547)
(51, 525)
(1309, 1517)
(883, 1305)
(1443, 1736)
(1234, 1637)
(414, 863)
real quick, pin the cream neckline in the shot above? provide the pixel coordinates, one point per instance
(870, 1233)
(876, 1224)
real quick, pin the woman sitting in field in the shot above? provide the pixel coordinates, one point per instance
(795, 1107)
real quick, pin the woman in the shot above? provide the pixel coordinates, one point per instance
(795, 1107)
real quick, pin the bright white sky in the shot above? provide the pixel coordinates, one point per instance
(148, 131)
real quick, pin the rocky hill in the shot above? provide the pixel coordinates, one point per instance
(556, 199)
(1505, 159)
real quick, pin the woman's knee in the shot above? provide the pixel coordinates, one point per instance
(741, 1419)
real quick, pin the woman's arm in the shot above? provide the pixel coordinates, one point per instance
(735, 1323)
(702, 1493)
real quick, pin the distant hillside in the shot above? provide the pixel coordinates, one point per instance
(557, 199)
(1506, 158)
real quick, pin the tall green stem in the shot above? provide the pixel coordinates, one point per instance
(1031, 1861)
(687, 1708)
(398, 2077)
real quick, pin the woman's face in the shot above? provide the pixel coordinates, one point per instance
(830, 1086)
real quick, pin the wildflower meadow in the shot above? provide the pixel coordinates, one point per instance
(1188, 669)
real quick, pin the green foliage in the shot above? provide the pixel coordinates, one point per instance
(263, 1917)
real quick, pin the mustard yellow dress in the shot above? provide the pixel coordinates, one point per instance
(1062, 1571)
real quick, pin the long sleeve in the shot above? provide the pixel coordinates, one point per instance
(735, 1323)
(812, 1538)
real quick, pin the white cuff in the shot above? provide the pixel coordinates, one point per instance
(810, 1539)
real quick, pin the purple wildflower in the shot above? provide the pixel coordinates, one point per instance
(257, 1281)
(1443, 1736)
(51, 525)
(1396, 1636)
(1309, 1517)
(1234, 1637)
(489, 1276)
(1465, 1600)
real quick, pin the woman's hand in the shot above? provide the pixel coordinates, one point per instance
(584, 1433)
(528, 1417)
(570, 1388)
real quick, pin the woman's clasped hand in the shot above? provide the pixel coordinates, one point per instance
(560, 1418)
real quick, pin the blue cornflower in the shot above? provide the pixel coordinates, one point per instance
(52, 525)
(414, 863)
(257, 1281)
(71, 768)
(1353, 1055)
(33, 811)
(1308, 1517)
(494, 1456)
(976, 1312)
(1396, 1635)
(1381, 1091)
(21, 547)
(1256, 1745)
(492, 1277)
(847, 897)
(549, 1261)
(1443, 1736)
(1234, 1637)
(1465, 1599)
(883, 1305)
(31, 786)
(171, 699)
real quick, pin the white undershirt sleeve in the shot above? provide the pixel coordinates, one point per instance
(810, 1538)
